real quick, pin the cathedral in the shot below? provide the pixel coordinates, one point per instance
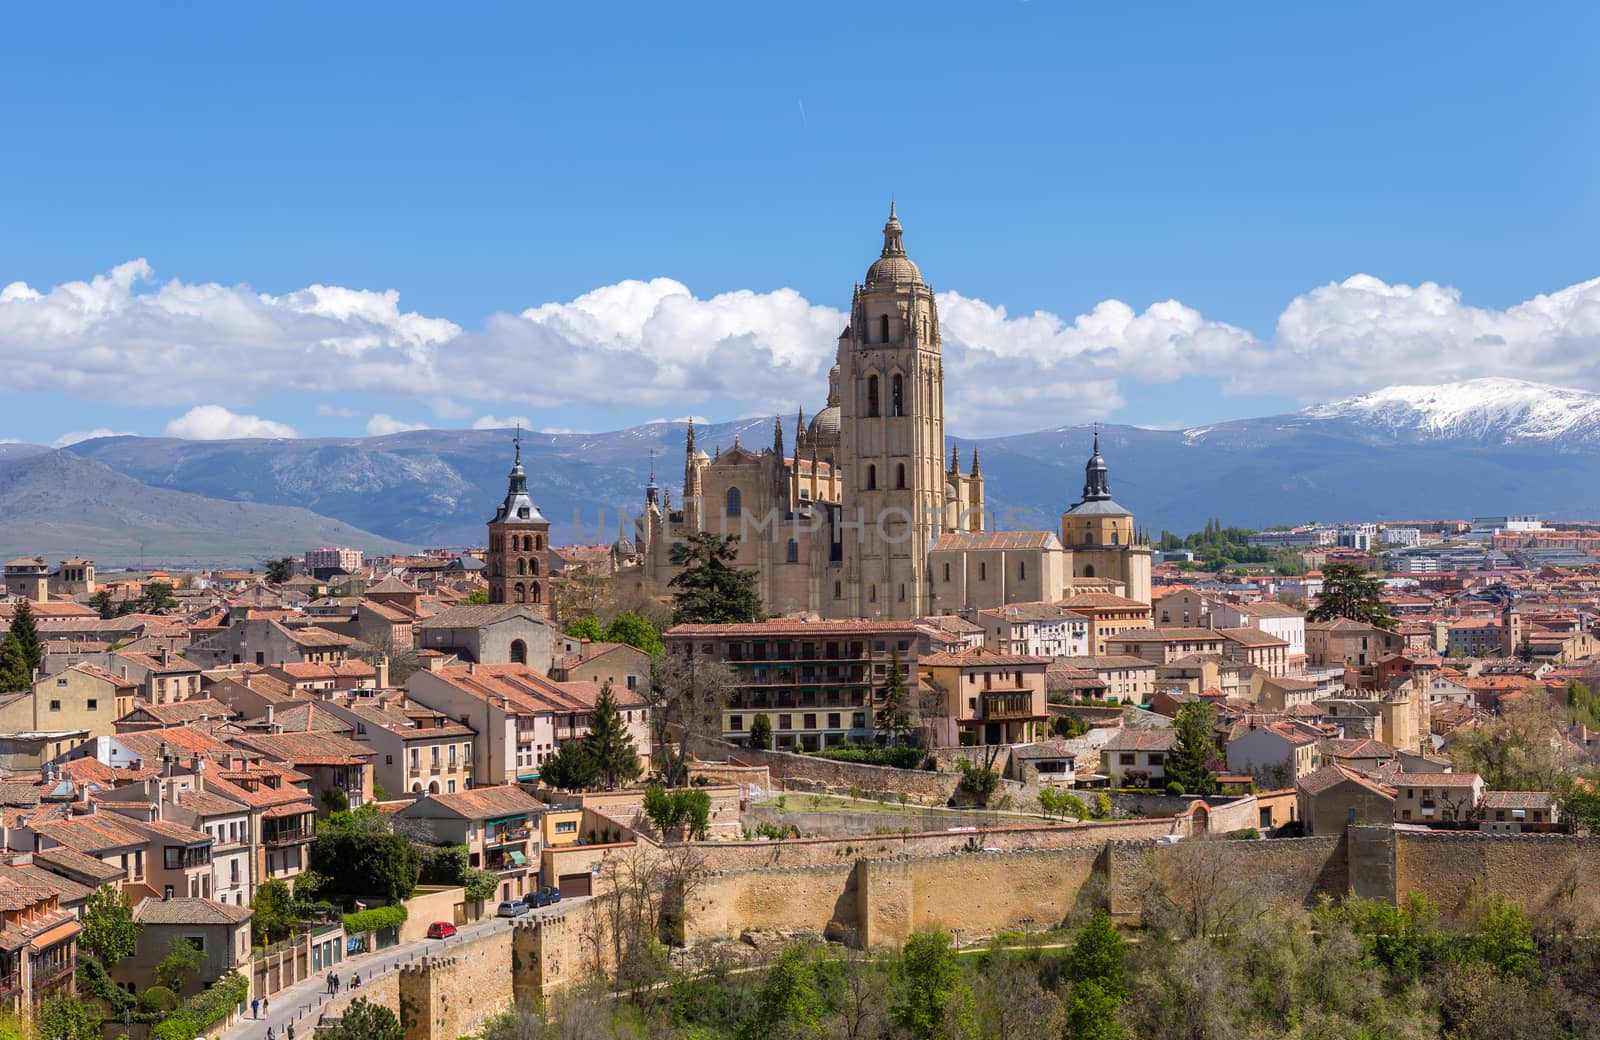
(865, 517)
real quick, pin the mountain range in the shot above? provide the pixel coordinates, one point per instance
(1454, 450)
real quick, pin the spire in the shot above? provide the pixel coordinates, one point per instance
(892, 246)
(652, 489)
(518, 504)
(1096, 486)
(955, 458)
(688, 444)
(777, 437)
(976, 471)
(799, 429)
(517, 440)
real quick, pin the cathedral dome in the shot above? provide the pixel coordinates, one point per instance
(893, 267)
(825, 423)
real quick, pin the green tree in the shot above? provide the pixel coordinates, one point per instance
(272, 917)
(443, 865)
(1092, 1013)
(610, 745)
(363, 858)
(25, 630)
(1189, 761)
(1098, 955)
(789, 1004)
(479, 885)
(68, 1018)
(157, 597)
(101, 601)
(14, 673)
(1352, 593)
(636, 631)
(109, 930)
(280, 570)
(683, 809)
(1504, 937)
(571, 768)
(711, 589)
(364, 1020)
(477, 598)
(182, 963)
(893, 717)
(929, 976)
(761, 733)
(586, 627)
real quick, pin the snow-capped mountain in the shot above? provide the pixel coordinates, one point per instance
(1496, 410)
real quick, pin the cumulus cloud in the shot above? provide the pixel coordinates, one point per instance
(381, 425)
(493, 422)
(77, 436)
(212, 422)
(654, 347)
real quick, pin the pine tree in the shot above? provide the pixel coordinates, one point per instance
(101, 601)
(1350, 592)
(14, 673)
(609, 744)
(26, 632)
(711, 589)
(1189, 762)
(761, 733)
(894, 716)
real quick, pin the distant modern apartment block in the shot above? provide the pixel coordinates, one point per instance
(333, 558)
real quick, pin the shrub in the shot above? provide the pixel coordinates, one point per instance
(1174, 789)
(1244, 834)
(157, 998)
(977, 785)
(374, 919)
(865, 754)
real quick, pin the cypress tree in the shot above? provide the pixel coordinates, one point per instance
(26, 631)
(14, 674)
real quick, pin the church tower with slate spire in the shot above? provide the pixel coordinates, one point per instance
(519, 542)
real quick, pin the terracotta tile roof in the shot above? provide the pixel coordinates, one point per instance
(1519, 800)
(529, 692)
(311, 637)
(96, 832)
(477, 803)
(307, 749)
(68, 890)
(1333, 774)
(1359, 748)
(1143, 740)
(1168, 635)
(209, 803)
(1107, 662)
(77, 863)
(178, 712)
(187, 911)
(1271, 608)
(1103, 601)
(1251, 637)
(978, 657)
(1436, 779)
(967, 541)
(304, 670)
(180, 740)
(780, 628)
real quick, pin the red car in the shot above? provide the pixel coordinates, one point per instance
(441, 930)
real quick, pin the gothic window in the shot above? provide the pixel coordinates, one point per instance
(872, 397)
(522, 567)
(883, 328)
(519, 594)
(794, 551)
(735, 502)
(519, 655)
(900, 472)
(897, 396)
(872, 478)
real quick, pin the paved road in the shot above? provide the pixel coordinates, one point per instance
(302, 1003)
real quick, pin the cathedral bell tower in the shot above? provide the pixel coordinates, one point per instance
(891, 436)
(519, 540)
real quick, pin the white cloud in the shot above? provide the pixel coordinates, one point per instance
(492, 422)
(212, 422)
(87, 435)
(653, 347)
(381, 425)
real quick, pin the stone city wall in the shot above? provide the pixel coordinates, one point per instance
(796, 772)
(1535, 871)
(1291, 870)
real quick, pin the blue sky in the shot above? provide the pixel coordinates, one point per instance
(482, 160)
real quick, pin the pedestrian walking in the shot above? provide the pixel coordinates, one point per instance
(264, 1010)
(333, 982)
(269, 1033)
(255, 1008)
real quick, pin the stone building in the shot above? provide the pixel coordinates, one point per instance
(866, 519)
(519, 538)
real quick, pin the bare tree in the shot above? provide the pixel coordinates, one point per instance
(863, 999)
(1009, 1002)
(1197, 890)
(687, 697)
(640, 897)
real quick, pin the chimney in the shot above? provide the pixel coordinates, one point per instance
(269, 716)
(166, 655)
(383, 672)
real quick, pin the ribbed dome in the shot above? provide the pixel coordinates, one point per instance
(825, 423)
(894, 270)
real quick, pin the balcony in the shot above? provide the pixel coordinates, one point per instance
(47, 974)
(1008, 706)
(507, 836)
(10, 985)
(288, 836)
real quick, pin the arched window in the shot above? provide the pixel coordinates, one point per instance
(900, 472)
(794, 551)
(533, 567)
(983, 572)
(838, 590)
(519, 594)
(535, 588)
(883, 328)
(897, 396)
(872, 396)
(522, 567)
(872, 594)
(872, 478)
(1116, 537)
(538, 542)
(519, 652)
(947, 572)
(735, 502)
(1088, 572)
(1088, 539)
(1022, 571)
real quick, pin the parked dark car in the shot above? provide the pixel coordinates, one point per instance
(538, 899)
